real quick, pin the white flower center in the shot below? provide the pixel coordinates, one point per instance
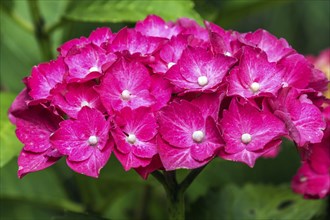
(84, 103)
(198, 136)
(94, 69)
(255, 87)
(92, 140)
(202, 80)
(125, 95)
(131, 138)
(228, 54)
(170, 64)
(246, 138)
(303, 179)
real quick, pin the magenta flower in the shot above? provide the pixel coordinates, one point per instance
(135, 43)
(35, 125)
(199, 70)
(249, 132)
(297, 71)
(134, 136)
(189, 137)
(276, 49)
(76, 96)
(175, 95)
(126, 84)
(303, 119)
(87, 63)
(155, 26)
(85, 141)
(45, 77)
(254, 76)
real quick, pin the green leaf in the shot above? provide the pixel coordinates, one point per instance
(10, 146)
(41, 189)
(221, 172)
(256, 202)
(18, 48)
(129, 10)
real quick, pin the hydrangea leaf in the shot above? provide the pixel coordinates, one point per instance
(43, 188)
(256, 202)
(129, 10)
(10, 146)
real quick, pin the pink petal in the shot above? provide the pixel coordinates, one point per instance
(34, 127)
(176, 158)
(29, 162)
(72, 138)
(87, 62)
(211, 143)
(130, 76)
(254, 68)
(44, 78)
(92, 165)
(155, 26)
(297, 71)
(178, 121)
(77, 96)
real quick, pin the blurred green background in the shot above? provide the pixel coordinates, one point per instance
(224, 190)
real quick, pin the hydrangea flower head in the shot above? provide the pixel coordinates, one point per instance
(167, 95)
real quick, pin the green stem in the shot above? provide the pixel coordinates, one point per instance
(175, 191)
(42, 36)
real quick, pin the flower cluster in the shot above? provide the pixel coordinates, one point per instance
(171, 95)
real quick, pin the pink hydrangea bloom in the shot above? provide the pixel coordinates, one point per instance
(135, 137)
(275, 48)
(155, 26)
(249, 132)
(199, 70)
(255, 75)
(169, 95)
(303, 120)
(85, 141)
(88, 63)
(126, 84)
(134, 42)
(190, 137)
(76, 96)
(45, 77)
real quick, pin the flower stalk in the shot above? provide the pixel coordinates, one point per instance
(41, 35)
(175, 191)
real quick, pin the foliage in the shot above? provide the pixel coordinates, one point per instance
(221, 191)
